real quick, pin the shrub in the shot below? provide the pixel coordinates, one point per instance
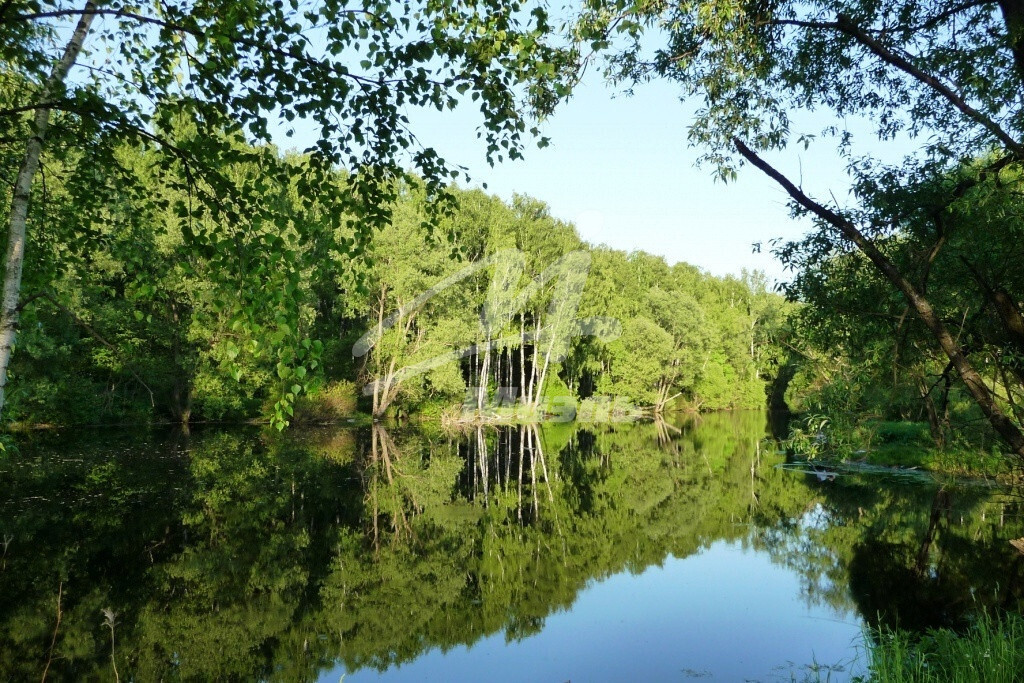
(329, 403)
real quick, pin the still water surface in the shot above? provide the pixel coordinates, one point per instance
(678, 551)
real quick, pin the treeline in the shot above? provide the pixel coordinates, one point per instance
(140, 308)
(861, 357)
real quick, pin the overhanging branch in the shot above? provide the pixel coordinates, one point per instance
(845, 24)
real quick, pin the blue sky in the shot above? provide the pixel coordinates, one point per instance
(620, 168)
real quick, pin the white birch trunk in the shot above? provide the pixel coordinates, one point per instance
(16, 226)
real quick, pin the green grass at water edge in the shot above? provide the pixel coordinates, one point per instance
(990, 651)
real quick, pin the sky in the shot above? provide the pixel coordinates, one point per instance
(620, 168)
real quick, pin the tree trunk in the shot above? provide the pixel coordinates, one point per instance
(380, 332)
(181, 387)
(972, 380)
(934, 422)
(522, 355)
(481, 395)
(543, 374)
(533, 365)
(1013, 18)
(23, 192)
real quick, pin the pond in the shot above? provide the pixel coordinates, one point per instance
(685, 549)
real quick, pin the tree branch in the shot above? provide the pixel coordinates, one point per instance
(975, 384)
(31, 107)
(846, 25)
(198, 32)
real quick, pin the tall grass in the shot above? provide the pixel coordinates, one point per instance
(992, 650)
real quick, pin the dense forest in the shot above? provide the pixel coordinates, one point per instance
(132, 327)
(166, 259)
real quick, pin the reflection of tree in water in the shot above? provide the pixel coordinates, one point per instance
(506, 469)
(911, 554)
(942, 572)
(239, 555)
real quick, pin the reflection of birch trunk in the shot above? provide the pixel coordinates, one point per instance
(373, 492)
(543, 465)
(662, 428)
(533, 473)
(547, 482)
(755, 465)
(508, 455)
(384, 455)
(522, 456)
(498, 447)
(481, 449)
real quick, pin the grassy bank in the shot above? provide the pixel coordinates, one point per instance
(895, 444)
(991, 651)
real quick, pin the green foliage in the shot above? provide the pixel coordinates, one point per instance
(890, 444)
(200, 92)
(865, 356)
(137, 327)
(992, 649)
(810, 439)
(913, 273)
(329, 403)
(246, 553)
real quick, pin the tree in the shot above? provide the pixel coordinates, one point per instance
(240, 72)
(641, 364)
(404, 262)
(948, 75)
(854, 311)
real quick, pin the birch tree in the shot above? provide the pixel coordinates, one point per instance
(258, 71)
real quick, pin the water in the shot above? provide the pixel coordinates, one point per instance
(672, 551)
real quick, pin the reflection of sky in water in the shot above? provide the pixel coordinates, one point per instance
(270, 566)
(727, 614)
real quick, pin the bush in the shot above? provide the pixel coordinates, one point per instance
(330, 403)
(916, 433)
